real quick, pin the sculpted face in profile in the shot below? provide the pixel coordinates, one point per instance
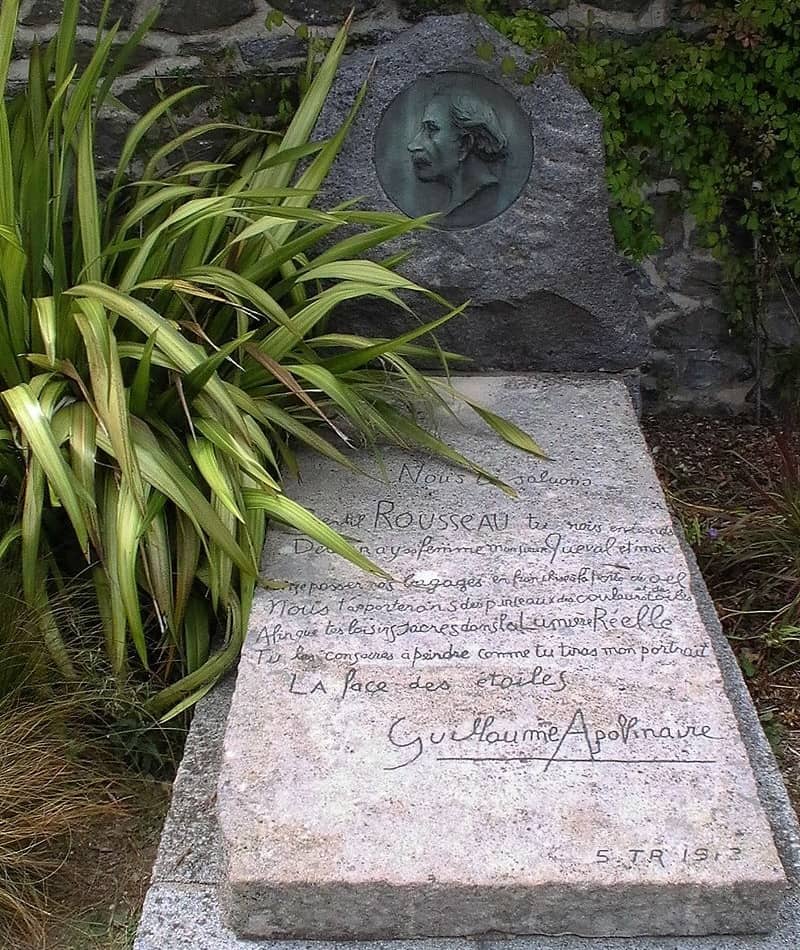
(455, 145)
(458, 143)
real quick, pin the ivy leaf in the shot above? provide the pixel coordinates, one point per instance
(508, 65)
(748, 666)
(484, 50)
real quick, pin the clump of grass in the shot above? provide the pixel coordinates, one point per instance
(65, 758)
(25, 660)
(765, 543)
(53, 786)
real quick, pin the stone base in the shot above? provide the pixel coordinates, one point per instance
(183, 907)
(522, 730)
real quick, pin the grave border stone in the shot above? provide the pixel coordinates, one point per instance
(181, 909)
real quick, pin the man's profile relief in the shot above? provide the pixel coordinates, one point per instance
(454, 144)
(458, 142)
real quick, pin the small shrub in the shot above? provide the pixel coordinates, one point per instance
(162, 349)
(718, 109)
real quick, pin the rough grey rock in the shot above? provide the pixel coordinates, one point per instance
(695, 274)
(197, 16)
(414, 10)
(148, 90)
(696, 362)
(539, 6)
(49, 11)
(322, 12)
(112, 128)
(621, 6)
(548, 289)
(261, 51)
(782, 318)
(143, 54)
(182, 910)
(695, 337)
(187, 917)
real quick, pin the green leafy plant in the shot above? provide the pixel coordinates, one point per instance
(719, 110)
(160, 353)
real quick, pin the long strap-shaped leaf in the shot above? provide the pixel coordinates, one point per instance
(109, 391)
(241, 454)
(205, 458)
(507, 430)
(166, 476)
(281, 341)
(135, 136)
(353, 360)
(268, 413)
(8, 24)
(290, 512)
(179, 696)
(185, 355)
(408, 430)
(25, 409)
(305, 118)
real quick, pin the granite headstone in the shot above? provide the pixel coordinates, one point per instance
(536, 256)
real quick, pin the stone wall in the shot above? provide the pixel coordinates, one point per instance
(695, 362)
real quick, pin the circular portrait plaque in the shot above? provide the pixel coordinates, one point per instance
(454, 143)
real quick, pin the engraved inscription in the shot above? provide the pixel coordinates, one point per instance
(531, 696)
(504, 652)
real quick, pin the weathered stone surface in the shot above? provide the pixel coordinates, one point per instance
(546, 268)
(196, 16)
(523, 731)
(110, 132)
(187, 917)
(706, 361)
(147, 91)
(270, 49)
(49, 11)
(621, 6)
(782, 317)
(322, 12)
(697, 360)
(416, 9)
(538, 6)
(182, 910)
(143, 54)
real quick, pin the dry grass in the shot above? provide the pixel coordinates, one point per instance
(74, 862)
(113, 863)
(734, 486)
(52, 789)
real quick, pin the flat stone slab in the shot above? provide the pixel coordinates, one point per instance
(524, 731)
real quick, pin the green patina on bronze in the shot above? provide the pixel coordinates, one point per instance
(454, 143)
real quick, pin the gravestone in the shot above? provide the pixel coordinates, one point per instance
(523, 727)
(531, 246)
(522, 730)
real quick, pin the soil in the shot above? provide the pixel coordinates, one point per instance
(714, 472)
(100, 897)
(727, 480)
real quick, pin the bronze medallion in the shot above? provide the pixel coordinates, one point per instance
(454, 143)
